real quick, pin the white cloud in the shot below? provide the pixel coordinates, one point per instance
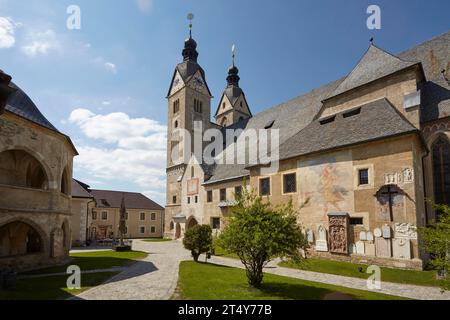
(7, 28)
(107, 65)
(41, 43)
(136, 154)
(116, 127)
(145, 6)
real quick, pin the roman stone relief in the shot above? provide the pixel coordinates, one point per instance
(399, 178)
(338, 229)
(406, 231)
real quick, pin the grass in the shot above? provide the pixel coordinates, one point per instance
(52, 287)
(200, 281)
(157, 240)
(55, 288)
(96, 260)
(424, 278)
(219, 252)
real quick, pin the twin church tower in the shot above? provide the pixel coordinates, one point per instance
(189, 103)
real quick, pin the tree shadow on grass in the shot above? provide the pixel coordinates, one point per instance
(293, 291)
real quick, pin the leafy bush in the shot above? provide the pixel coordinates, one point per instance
(198, 240)
(258, 233)
(436, 241)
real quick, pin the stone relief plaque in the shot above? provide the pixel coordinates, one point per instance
(405, 230)
(338, 229)
(387, 231)
(362, 236)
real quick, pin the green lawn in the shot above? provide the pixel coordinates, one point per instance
(425, 278)
(96, 260)
(200, 281)
(219, 252)
(52, 287)
(157, 240)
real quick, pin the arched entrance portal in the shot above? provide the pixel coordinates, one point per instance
(19, 238)
(191, 223)
(177, 231)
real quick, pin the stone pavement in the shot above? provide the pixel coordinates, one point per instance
(156, 277)
(395, 289)
(153, 278)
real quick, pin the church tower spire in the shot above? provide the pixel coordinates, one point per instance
(190, 46)
(233, 106)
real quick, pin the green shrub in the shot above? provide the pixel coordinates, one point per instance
(198, 240)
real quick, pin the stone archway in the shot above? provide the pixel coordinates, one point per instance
(192, 222)
(21, 169)
(18, 238)
(177, 231)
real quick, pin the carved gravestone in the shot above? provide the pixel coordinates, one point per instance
(362, 236)
(352, 248)
(360, 249)
(310, 236)
(370, 249)
(383, 247)
(321, 242)
(369, 236)
(401, 248)
(338, 230)
(387, 231)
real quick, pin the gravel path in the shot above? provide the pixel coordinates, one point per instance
(153, 278)
(395, 289)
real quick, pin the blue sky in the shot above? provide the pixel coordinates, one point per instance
(116, 70)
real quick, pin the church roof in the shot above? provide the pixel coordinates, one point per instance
(293, 116)
(375, 64)
(372, 121)
(434, 55)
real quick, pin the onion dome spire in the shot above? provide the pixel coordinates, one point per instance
(190, 46)
(233, 77)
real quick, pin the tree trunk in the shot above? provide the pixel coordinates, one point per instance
(195, 255)
(255, 275)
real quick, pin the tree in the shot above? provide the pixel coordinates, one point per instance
(436, 242)
(257, 232)
(198, 240)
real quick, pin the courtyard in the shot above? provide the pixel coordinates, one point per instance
(161, 270)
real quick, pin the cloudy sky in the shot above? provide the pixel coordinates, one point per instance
(105, 84)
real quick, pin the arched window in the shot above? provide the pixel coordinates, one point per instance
(192, 172)
(65, 182)
(441, 170)
(21, 169)
(176, 124)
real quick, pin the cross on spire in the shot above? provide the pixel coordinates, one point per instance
(190, 17)
(233, 53)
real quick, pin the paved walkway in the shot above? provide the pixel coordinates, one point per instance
(153, 278)
(156, 277)
(395, 289)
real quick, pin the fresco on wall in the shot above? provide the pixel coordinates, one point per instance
(328, 183)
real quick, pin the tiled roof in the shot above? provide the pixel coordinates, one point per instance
(20, 104)
(372, 121)
(113, 199)
(80, 190)
(375, 64)
(293, 116)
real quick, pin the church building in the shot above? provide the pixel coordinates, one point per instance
(358, 156)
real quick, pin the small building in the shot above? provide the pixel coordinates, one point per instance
(96, 214)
